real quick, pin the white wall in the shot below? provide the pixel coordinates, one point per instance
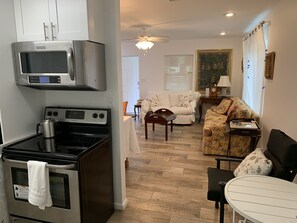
(280, 107)
(21, 107)
(152, 64)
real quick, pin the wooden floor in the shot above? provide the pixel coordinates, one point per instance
(167, 181)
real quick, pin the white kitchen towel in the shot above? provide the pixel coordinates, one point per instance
(39, 188)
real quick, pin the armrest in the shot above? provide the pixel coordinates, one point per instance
(218, 128)
(193, 104)
(145, 106)
(228, 159)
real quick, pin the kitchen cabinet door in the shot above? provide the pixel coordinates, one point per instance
(31, 16)
(51, 20)
(69, 19)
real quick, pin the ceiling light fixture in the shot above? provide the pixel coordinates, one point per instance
(229, 14)
(144, 45)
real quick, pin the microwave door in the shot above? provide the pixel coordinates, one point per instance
(44, 65)
(48, 67)
(60, 65)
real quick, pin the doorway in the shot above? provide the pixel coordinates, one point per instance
(130, 75)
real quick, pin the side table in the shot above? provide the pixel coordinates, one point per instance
(244, 127)
(209, 100)
(137, 107)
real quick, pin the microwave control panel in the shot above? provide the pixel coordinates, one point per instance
(45, 79)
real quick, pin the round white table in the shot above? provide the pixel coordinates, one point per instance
(263, 199)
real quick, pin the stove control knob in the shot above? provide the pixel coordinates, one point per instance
(55, 113)
(101, 116)
(95, 115)
(49, 113)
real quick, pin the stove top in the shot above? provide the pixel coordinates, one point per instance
(66, 146)
(77, 130)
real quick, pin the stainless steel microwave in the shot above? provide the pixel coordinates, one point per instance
(60, 65)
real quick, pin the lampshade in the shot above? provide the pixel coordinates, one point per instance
(224, 82)
(144, 45)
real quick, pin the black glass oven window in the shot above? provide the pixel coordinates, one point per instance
(59, 186)
(44, 62)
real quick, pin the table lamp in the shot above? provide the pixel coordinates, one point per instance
(224, 83)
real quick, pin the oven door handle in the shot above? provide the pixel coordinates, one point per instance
(50, 166)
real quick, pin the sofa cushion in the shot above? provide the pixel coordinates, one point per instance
(214, 117)
(243, 110)
(255, 163)
(181, 110)
(174, 97)
(155, 108)
(223, 107)
(163, 100)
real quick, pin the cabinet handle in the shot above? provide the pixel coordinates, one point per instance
(53, 27)
(45, 27)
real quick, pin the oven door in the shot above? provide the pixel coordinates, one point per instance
(64, 188)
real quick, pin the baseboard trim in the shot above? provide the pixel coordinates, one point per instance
(121, 206)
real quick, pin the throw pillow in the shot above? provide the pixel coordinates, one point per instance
(231, 113)
(154, 101)
(255, 163)
(223, 107)
(184, 100)
(243, 113)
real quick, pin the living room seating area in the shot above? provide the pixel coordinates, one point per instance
(182, 104)
(215, 136)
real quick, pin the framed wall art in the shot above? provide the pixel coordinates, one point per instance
(269, 65)
(210, 65)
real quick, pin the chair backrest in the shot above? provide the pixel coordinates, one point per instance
(282, 151)
(125, 104)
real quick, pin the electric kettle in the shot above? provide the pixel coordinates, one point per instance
(47, 128)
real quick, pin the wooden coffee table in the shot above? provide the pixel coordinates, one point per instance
(162, 116)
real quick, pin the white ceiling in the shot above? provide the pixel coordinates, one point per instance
(191, 19)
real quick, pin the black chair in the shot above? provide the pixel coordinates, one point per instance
(281, 150)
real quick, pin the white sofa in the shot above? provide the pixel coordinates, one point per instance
(181, 103)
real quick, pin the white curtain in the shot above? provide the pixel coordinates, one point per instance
(253, 68)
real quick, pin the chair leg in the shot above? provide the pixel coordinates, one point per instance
(221, 212)
(217, 205)
(222, 202)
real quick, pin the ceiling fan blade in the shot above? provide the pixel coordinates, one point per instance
(158, 38)
(131, 39)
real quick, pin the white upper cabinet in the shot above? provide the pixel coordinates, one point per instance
(38, 20)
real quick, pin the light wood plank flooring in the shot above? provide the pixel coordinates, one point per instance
(167, 181)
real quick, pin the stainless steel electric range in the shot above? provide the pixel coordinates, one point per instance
(79, 158)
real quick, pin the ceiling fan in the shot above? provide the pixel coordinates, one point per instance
(145, 41)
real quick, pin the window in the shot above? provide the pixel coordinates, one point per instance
(178, 71)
